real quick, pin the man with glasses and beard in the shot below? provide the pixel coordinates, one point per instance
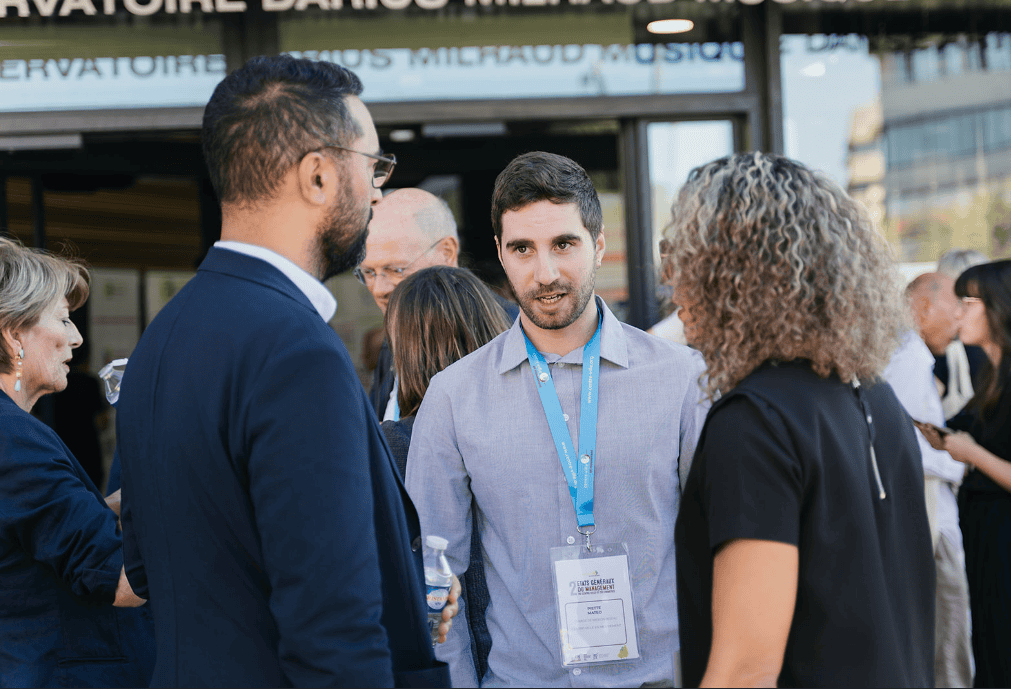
(262, 514)
(564, 438)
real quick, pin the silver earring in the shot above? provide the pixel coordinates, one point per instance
(21, 357)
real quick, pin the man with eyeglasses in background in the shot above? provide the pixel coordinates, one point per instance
(411, 229)
(262, 515)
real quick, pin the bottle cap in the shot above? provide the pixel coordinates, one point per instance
(112, 374)
(437, 542)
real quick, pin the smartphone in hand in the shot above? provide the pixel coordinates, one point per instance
(924, 426)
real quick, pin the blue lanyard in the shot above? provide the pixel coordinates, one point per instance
(578, 472)
(396, 399)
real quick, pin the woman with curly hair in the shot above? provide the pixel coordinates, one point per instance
(803, 552)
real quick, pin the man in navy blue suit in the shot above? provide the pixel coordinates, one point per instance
(263, 516)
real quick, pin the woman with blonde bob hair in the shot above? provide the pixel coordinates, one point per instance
(803, 551)
(61, 554)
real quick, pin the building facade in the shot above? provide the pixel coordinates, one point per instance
(101, 101)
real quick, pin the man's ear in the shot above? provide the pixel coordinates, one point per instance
(498, 251)
(920, 307)
(316, 177)
(601, 246)
(449, 249)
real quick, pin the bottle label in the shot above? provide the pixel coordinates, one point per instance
(437, 597)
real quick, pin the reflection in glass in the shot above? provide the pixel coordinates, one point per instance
(171, 63)
(675, 149)
(540, 71)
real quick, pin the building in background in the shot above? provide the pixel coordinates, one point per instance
(101, 102)
(865, 162)
(946, 136)
(931, 157)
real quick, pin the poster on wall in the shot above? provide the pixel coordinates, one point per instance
(159, 288)
(114, 314)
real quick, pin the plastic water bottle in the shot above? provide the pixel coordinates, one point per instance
(112, 374)
(438, 581)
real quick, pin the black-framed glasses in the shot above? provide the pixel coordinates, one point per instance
(367, 276)
(384, 164)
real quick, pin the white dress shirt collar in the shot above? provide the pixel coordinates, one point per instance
(314, 290)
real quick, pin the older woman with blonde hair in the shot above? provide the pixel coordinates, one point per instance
(803, 551)
(63, 620)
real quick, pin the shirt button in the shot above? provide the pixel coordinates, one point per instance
(570, 540)
(577, 672)
(565, 416)
(560, 364)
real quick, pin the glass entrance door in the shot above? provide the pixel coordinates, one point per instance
(674, 150)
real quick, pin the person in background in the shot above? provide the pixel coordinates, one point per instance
(910, 372)
(670, 326)
(64, 608)
(261, 508)
(411, 229)
(803, 547)
(958, 366)
(80, 414)
(436, 317)
(983, 442)
(495, 444)
(954, 262)
(935, 310)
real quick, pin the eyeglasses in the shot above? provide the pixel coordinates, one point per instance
(367, 276)
(970, 300)
(384, 164)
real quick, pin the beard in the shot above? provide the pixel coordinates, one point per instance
(341, 236)
(577, 294)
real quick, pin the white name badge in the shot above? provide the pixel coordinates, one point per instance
(593, 596)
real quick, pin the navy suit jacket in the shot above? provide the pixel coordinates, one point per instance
(60, 558)
(263, 516)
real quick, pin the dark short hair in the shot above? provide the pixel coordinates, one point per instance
(541, 176)
(266, 115)
(438, 316)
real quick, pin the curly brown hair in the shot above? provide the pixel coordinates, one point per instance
(779, 263)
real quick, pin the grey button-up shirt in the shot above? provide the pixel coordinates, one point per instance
(481, 449)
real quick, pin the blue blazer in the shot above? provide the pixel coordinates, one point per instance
(263, 516)
(60, 558)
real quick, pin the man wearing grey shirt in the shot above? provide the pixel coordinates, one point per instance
(483, 448)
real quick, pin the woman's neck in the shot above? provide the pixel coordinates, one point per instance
(8, 381)
(993, 353)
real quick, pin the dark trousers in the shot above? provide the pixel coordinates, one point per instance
(985, 519)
